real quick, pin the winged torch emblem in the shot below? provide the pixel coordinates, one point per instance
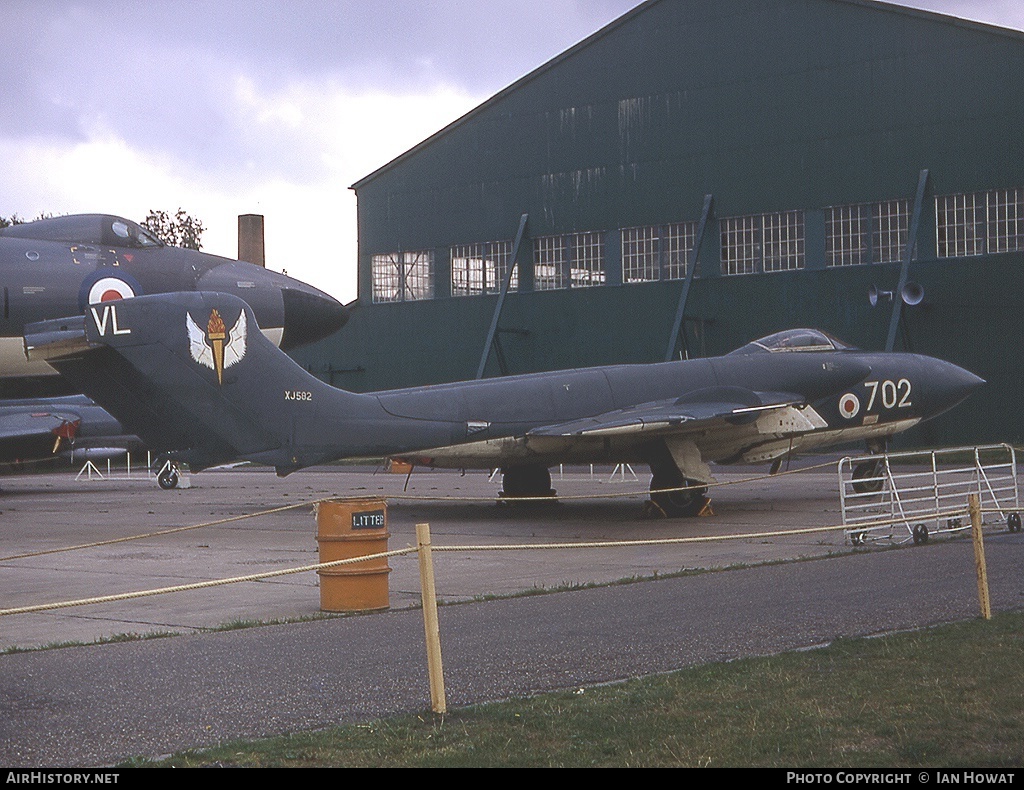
(216, 347)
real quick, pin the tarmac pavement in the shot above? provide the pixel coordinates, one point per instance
(45, 512)
(97, 705)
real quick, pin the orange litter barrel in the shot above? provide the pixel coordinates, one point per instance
(349, 528)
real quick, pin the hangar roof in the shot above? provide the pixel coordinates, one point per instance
(875, 5)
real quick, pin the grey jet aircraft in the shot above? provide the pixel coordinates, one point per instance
(76, 264)
(190, 374)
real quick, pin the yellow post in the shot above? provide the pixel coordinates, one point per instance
(430, 625)
(974, 505)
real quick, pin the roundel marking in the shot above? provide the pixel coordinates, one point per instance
(109, 289)
(102, 286)
(849, 405)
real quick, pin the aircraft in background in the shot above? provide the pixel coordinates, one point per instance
(189, 374)
(82, 264)
(71, 426)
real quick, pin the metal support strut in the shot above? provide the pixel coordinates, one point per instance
(908, 254)
(501, 299)
(691, 266)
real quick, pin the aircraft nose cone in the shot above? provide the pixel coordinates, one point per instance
(310, 315)
(953, 384)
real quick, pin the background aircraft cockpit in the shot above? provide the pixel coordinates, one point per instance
(100, 229)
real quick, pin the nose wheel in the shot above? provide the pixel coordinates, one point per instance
(866, 479)
(676, 496)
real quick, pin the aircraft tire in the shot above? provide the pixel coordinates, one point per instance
(523, 482)
(168, 479)
(677, 504)
(868, 469)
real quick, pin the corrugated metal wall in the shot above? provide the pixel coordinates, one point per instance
(769, 105)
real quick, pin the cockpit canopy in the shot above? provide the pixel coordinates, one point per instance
(791, 340)
(103, 230)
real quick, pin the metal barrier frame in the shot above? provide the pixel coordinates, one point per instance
(926, 487)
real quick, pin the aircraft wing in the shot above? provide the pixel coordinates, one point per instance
(693, 412)
(29, 433)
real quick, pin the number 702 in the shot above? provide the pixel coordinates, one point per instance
(894, 394)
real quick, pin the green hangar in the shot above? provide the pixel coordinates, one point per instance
(696, 175)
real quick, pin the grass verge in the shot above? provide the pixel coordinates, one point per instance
(944, 697)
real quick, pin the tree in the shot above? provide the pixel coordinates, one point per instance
(14, 219)
(181, 230)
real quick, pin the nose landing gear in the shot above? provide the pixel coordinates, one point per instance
(675, 495)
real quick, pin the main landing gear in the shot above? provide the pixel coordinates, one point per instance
(168, 478)
(526, 482)
(676, 496)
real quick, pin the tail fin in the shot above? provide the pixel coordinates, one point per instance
(191, 374)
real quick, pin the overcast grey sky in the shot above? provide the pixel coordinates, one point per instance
(228, 107)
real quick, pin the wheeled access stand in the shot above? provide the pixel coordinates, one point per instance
(899, 497)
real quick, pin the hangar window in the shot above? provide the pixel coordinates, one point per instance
(783, 241)
(847, 235)
(679, 240)
(658, 252)
(891, 221)
(587, 265)
(866, 232)
(481, 268)
(741, 245)
(550, 267)
(763, 243)
(1006, 220)
(572, 261)
(980, 222)
(403, 276)
(641, 255)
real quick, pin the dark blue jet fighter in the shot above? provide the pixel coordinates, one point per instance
(68, 265)
(190, 374)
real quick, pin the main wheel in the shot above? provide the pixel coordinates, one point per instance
(686, 503)
(168, 479)
(866, 479)
(520, 482)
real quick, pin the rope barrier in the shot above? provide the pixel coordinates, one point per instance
(202, 585)
(499, 547)
(162, 532)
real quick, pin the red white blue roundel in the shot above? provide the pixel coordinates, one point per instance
(107, 286)
(849, 405)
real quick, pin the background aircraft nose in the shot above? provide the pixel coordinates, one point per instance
(310, 315)
(301, 312)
